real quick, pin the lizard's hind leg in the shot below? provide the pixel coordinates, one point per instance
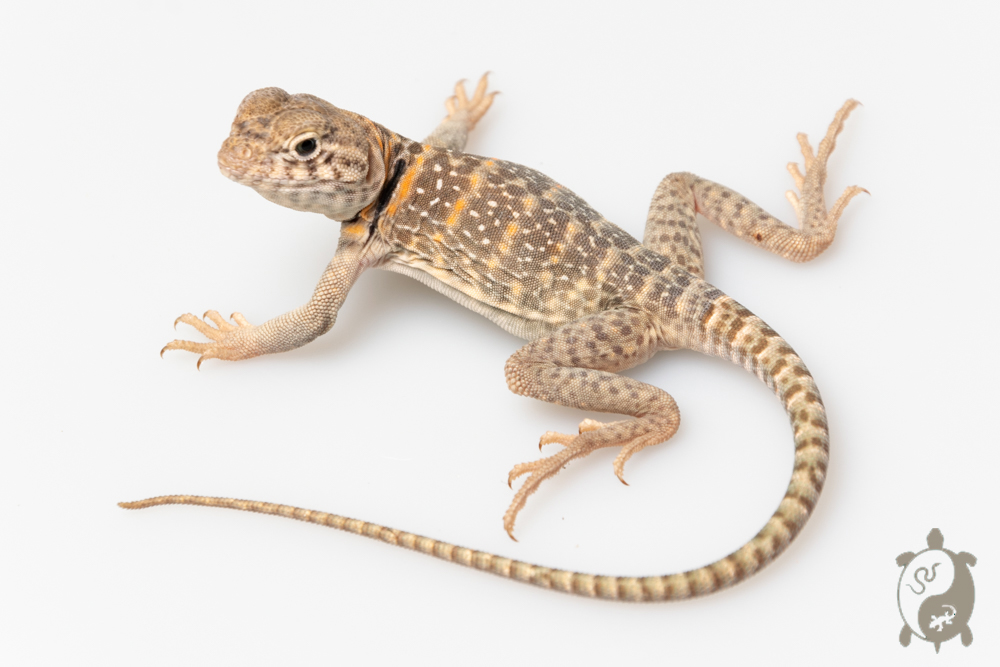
(576, 366)
(670, 228)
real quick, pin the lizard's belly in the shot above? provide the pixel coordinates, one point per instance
(543, 297)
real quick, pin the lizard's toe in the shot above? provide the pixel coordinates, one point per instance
(523, 469)
(555, 438)
(218, 320)
(473, 110)
(540, 471)
(200, 324)
(229, 341)
(630, 435)
(564, 439)
(186, 345)
(631, 448)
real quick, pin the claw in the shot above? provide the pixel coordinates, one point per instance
(619, 465)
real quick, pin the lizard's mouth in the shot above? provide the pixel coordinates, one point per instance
(335, 200)
(234, 165)
(259, 181)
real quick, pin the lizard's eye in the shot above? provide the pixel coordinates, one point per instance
(306, 147)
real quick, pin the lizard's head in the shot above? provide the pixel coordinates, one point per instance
(304, 153)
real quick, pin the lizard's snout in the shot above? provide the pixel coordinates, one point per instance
(234, 156)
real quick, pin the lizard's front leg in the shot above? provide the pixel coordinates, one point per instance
(576, 366)
(285, 332)
(463, 114)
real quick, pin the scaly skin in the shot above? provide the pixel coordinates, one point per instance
(513, 245)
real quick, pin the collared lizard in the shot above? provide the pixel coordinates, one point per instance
(509, 243)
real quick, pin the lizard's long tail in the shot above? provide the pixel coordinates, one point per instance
(746, 340)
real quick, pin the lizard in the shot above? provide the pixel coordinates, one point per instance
(529, 254)
(938, 622)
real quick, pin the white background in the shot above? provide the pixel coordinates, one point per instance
(115, 220)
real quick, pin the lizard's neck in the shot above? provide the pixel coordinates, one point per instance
(396, 151)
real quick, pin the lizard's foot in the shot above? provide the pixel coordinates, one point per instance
(811, 209)
(228, 339)
(630, 435)
(461, 107)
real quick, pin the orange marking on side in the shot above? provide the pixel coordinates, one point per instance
(404, 186)
(453, 217)
(438, 238)
(472, 181)
(354, 229)
(511, 230)
(366, 212)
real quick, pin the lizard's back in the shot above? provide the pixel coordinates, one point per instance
(511, 237)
